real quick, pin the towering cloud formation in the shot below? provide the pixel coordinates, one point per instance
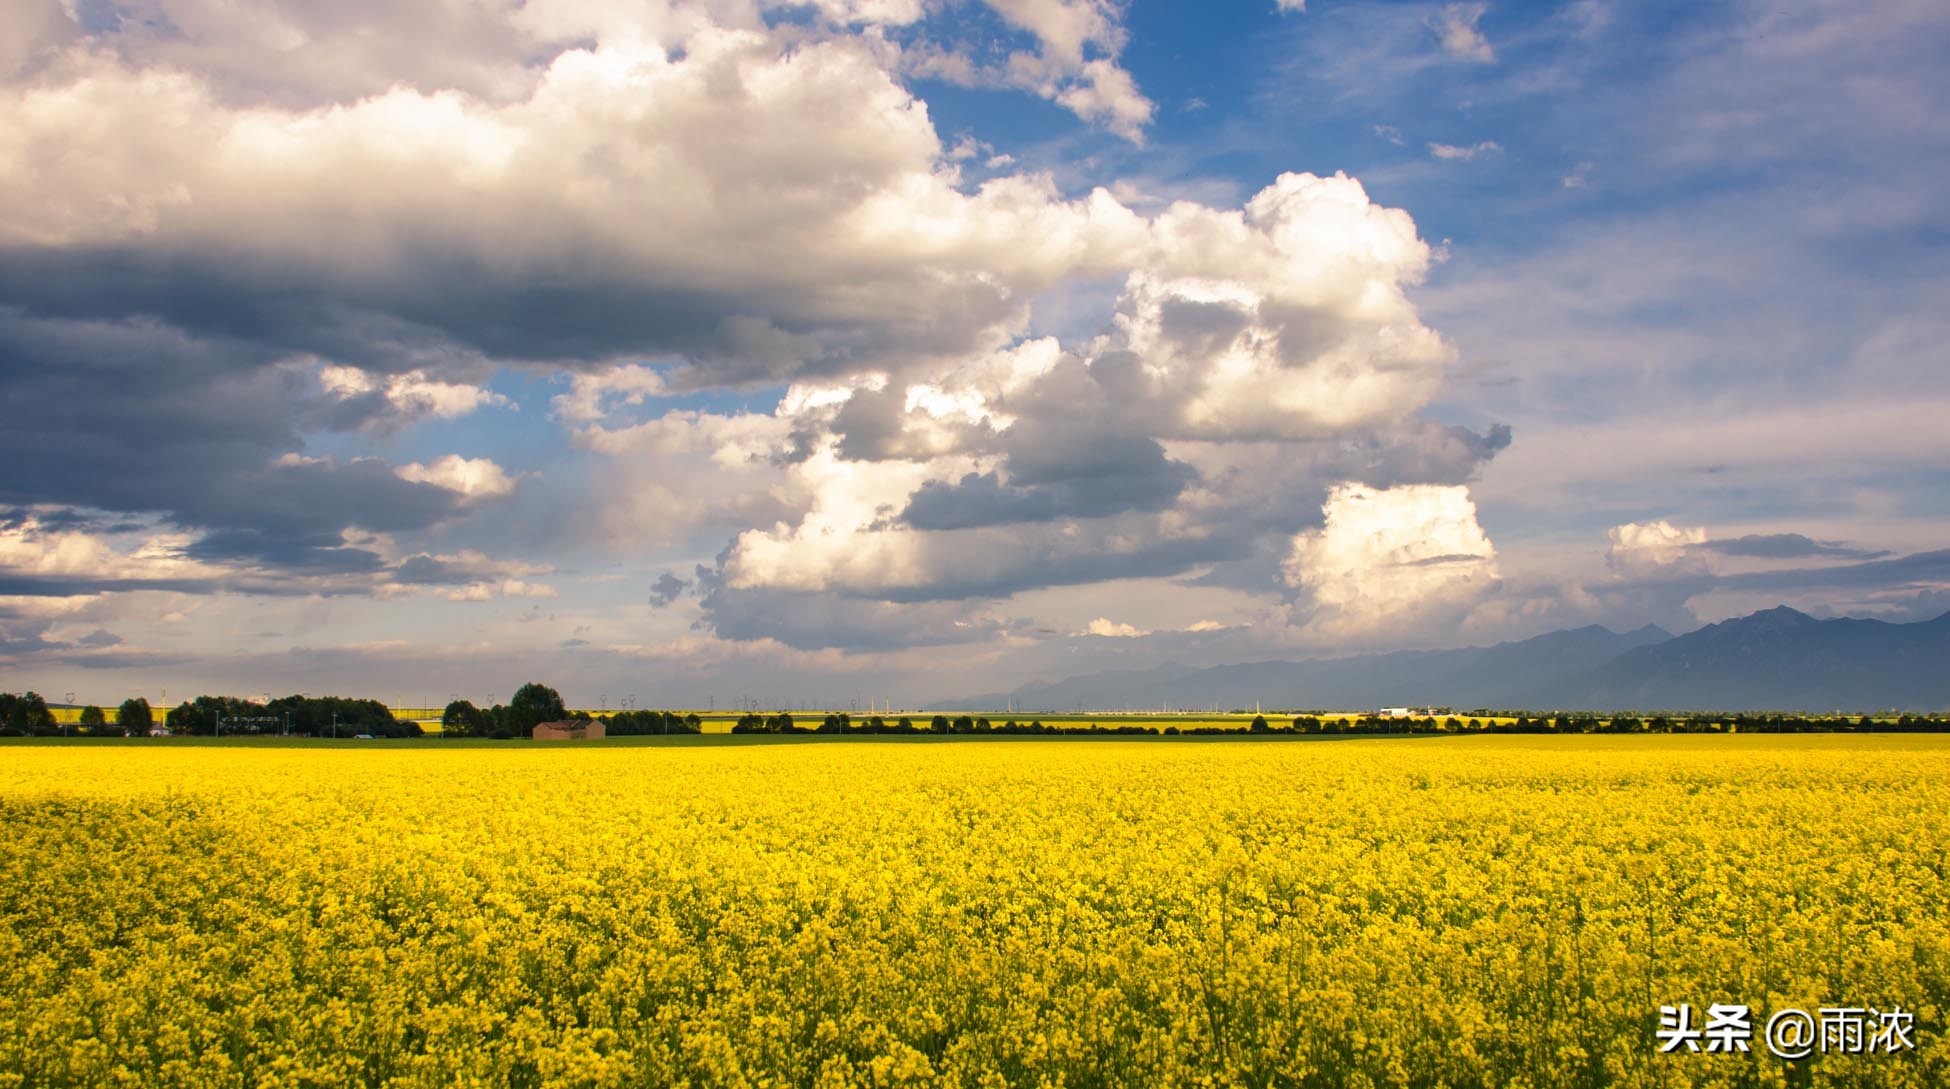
(1391, 558)
(1642, 546)
(663, 199)
(1282, 322)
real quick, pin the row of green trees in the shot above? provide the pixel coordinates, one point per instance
(28, 715)
(783, 723)
(325, 716)
(644, 723)
(317, 716)
(534, 704)
(1587, 723)
(842, 723)
(305, 716)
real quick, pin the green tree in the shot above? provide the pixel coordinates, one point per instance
(533, 705)
(135, 717)
(201, 715)
(93, 720)
(26, 714)
(462, 719)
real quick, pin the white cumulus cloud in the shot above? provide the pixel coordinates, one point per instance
(1110, 629)
(475, 478)
(591, 395)
(1389, 558)
(1469, 151)
(413, 394)
(1455, 25)
(1640, 546)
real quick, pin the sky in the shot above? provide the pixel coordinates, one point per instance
(753, 353)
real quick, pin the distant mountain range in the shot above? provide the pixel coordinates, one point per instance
(1776, 660)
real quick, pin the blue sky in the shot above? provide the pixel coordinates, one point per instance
(892, 349)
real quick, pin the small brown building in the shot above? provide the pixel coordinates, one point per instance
(569, 730)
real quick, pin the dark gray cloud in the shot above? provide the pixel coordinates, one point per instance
(269, 585)
(117, 417)
(438, 302)
(76, 585)
(302, 555)
(1411, 451)
(24, 643)
(67, 520)
(1278, 488)
(1099, 457)
(978, 499)
(23, 636)
(1202, 328)
(1918, 569)
(666, 589)
(1142, 479)
(1258, 572)
(816, 621)
(292, 514)
(1924, 573)
(1786, 546)
(425, 570)
(126, 659)
(1072, 455)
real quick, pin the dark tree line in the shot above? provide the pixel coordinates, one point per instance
(307, 716)
(135, 717)
(1585, 722)
(643, 723)
(842, 723)
(325, 716)
(532, 705)
(1562, 723)
(208, 715)
(26, 715)
(329, 716)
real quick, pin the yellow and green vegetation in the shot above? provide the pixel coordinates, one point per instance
(1473, 911)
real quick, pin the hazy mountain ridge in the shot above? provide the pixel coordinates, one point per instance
(1468, 675)
(1778, 659)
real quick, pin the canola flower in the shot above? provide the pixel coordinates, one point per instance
(1444, 912)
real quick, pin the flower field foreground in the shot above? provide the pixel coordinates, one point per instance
(1475, 911)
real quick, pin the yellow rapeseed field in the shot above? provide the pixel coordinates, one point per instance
(1483, 911)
